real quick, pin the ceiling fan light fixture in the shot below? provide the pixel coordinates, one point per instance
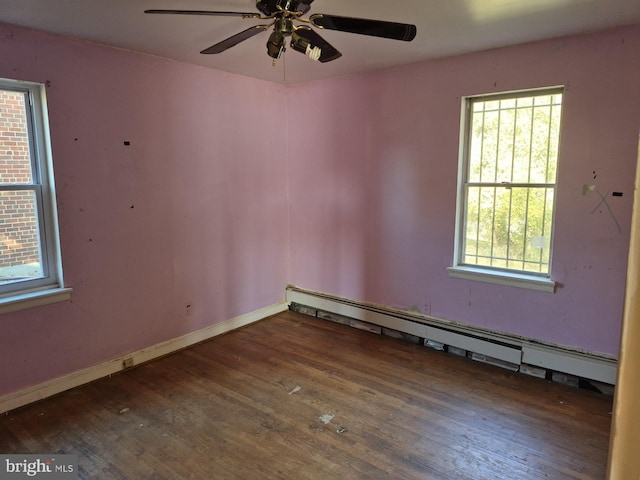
(303, 45)
(313, 53)
(275, 45)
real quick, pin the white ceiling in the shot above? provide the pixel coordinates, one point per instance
(445, 27)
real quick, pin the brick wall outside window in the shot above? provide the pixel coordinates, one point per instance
(18, 225)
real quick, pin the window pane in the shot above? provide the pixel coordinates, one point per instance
(490, 145)
(505, 152)
(15, 159)
(525, 101)
(475, 145)
(515, 140)
(542, 100)
(509, 228)
(554, 142)
(20, 255)
(522, 142)
(541, 129)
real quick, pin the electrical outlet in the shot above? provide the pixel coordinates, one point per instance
(127, 362)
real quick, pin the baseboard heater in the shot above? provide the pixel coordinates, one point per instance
(532, 357)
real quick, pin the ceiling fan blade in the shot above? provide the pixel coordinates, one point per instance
(205, 12)
(304, 6)
(327, 51)
(235, 39)
(363, 26)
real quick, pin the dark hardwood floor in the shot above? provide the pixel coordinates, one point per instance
(295, 397)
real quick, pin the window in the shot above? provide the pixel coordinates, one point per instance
(507, 188)
(29, 253)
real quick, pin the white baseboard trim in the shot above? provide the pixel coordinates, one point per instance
(509, 348)
(57, 385)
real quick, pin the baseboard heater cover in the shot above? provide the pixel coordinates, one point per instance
(529, 354)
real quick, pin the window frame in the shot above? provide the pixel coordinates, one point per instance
(48, 288)
(490, 274)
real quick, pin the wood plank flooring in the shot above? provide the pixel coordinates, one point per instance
(295, 397)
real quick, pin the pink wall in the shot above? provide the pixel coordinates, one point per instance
(192, 212)
(373, 186)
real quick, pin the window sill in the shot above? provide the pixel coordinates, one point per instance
(503, 278)
(35, 298)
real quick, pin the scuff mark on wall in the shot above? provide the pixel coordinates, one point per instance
(603, 201)
(415, 309)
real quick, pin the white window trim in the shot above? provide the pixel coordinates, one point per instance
(542, 283)
(499, 277)
(37, 298)
(53, 290)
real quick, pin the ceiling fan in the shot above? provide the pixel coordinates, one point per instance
(283, 14)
